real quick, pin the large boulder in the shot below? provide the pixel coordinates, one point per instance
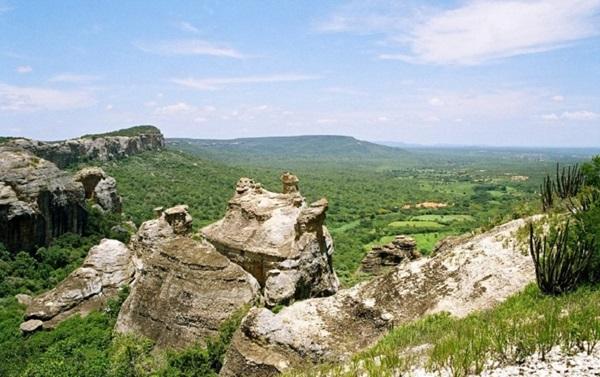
(279, 239)
(475, 274)
(381, 258)
(100, 148)
(108, 266)
(100, 188)
(185, 289)
(38, 201)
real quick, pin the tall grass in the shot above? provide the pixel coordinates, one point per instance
(526, 324)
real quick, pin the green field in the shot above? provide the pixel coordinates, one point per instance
(418, 224)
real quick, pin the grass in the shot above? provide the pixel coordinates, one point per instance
(415, 224)
(426, 241)
(444, 219)
(527, 323)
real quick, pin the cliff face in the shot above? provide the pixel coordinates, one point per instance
(38, 201)
(99, 148)
(185, 288)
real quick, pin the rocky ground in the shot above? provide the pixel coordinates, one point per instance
(556, 364)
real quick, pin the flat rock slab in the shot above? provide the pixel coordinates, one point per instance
(107, 267)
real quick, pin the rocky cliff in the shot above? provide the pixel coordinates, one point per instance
(94, 147)
(38, 201)
(279, 239)
(472, 275)
(185, 289)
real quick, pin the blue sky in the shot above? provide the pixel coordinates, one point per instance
(453, 72)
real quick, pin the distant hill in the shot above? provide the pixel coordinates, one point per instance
(289, 148)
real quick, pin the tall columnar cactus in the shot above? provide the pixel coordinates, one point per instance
(547, 193)
(559, 265)
(568, 181)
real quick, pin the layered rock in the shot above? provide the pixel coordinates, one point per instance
(107, 267)
(186, 289)
(475, 274)
(38, 201)
(381, 258)
(100, 148)
(100, 188)
(279, 239)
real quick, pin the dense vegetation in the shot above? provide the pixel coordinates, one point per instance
(371, 200)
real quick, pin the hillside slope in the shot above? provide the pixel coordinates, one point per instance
(295, 148)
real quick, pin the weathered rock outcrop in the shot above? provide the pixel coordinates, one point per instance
(100, 148)
(475, 274)
(186, 289)
(38, 201)
(107, 267)
(279, 239)
(100, 188)
(382, 258)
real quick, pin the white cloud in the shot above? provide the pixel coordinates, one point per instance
(188, 27)
(558, 98)
(475, 32)
(24, 69)
(190, 47)
(551, 116)
(109, 107)
(73, 78)
(216, 83)
(20, 98)
(582, 115)
(178, 108)
(345, 91)
(436, 102)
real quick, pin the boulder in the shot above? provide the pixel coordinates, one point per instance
(381, 258)
(31, 326)
(100, 188)
(100, 148)
(185, 289)
(23, 299)
(473, 275)
(107, 267)
(38, 201)
(279, 239)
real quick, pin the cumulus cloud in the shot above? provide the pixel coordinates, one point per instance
(473, 33)
(24, 69)
(215, 83)
(582, 115)
(190, 47)
(21, 98)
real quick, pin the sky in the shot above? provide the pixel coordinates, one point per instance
(483, 72)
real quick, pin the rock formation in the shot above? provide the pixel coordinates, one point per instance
(279, 239)
(381, 258)
(38, 201)
(473, 275)
(100, 148)
(100, 188)
(185, 289)
(107, 267)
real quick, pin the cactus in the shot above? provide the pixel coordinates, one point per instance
(583, 202)
(559, 265)
(568, 181)
(547, 194)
